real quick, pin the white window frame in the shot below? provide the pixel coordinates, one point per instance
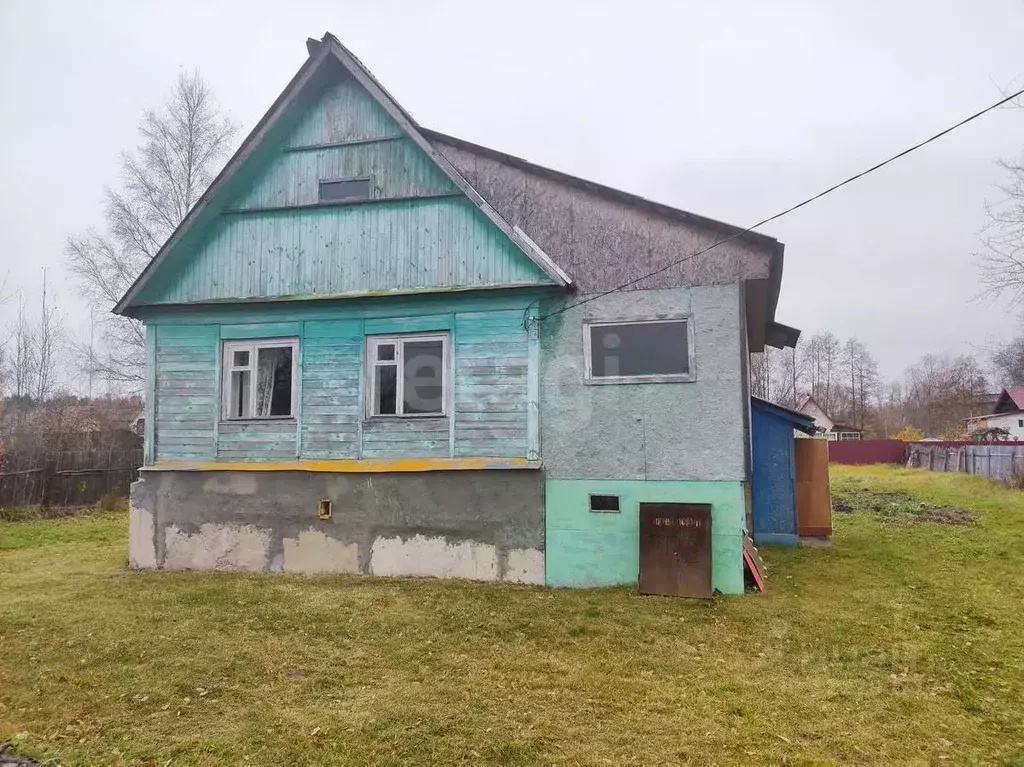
(399, 341)
(588, 360)
(253, 345)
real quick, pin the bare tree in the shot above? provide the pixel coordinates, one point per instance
(23, 356)
(1002, 257)
(183, 144)
(48, 340)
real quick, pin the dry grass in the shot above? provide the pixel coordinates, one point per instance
(903, 644)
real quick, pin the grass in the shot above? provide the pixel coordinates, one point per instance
(903, 644)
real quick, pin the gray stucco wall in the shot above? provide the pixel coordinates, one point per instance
(688, 430)
(477, 524)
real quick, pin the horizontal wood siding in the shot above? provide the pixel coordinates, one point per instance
(332, 356)
(337, 250)
(491, 366)
(405, 438)
(396, 169)
(187, 396)
(488, 412)
(256, 441)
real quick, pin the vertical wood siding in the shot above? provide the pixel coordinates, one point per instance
(396, 169)
(187, 396)
(271, 237)
(344, 112)
(336, 250)
(488, 415)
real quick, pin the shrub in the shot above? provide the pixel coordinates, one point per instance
(113, 502)
(909, 434)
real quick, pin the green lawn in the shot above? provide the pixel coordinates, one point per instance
(903, 644)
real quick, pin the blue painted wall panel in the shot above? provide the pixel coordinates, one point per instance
(773, 491)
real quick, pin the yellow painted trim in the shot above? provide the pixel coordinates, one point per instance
(352, 465)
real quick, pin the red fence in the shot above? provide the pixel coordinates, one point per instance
(889, 450)
(867, 451)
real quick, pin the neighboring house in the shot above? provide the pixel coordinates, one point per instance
(1008, 413)
(827, 428)
(376, 348)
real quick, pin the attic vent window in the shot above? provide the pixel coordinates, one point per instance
(345, 189)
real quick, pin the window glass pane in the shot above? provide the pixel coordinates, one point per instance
(423, 376)
(604, 503)
(273, 382)
(385, 352)
(240, 358)
(639, 349)
(353, 189)
(241, 391)
(386, 389)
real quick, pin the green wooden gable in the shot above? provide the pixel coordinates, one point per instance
(262, 231)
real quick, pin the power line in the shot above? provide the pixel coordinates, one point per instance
(788, 210)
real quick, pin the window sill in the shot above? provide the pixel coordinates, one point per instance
(687, 378)
(285, 419)
(376, 419)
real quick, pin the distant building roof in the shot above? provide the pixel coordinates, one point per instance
(1011, 400)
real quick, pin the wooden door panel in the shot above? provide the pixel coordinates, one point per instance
(675, 549)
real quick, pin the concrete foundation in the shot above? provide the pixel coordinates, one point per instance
(483, 525)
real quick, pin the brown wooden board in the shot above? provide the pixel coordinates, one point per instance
(752, 559)
(675, 549)
(813, 503)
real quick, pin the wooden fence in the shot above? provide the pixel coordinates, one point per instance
(1002, 460)
(69, 478)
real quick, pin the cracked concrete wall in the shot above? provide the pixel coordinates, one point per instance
(657, 431)
(486, 525)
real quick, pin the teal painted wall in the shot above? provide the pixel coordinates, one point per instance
(490, 373)
(396, 169)
(269, 237)
(345, 249)
(343, 111)
(585, 548)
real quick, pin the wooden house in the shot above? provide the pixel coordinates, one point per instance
(375, 348)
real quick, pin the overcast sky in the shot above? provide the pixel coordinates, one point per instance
(733, 110)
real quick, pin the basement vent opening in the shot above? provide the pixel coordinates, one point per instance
(604, 503)
(345, 189)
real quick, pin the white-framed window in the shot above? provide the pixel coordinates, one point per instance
(407, 375)
(638, 351)
(259, 378)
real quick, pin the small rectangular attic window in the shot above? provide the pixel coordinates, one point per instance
(345, 189)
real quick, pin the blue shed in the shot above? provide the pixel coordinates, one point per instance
(773, 479)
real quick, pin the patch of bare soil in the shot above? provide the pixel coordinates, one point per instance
(949, 515)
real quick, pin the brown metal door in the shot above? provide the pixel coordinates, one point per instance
(675, 549)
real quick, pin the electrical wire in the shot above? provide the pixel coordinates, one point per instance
(785, 212)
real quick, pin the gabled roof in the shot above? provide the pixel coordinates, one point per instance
(1011, 400)
(321, 51)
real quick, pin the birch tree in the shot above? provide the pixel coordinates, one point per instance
(183, 143)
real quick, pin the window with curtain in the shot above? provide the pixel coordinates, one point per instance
(259, 378)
